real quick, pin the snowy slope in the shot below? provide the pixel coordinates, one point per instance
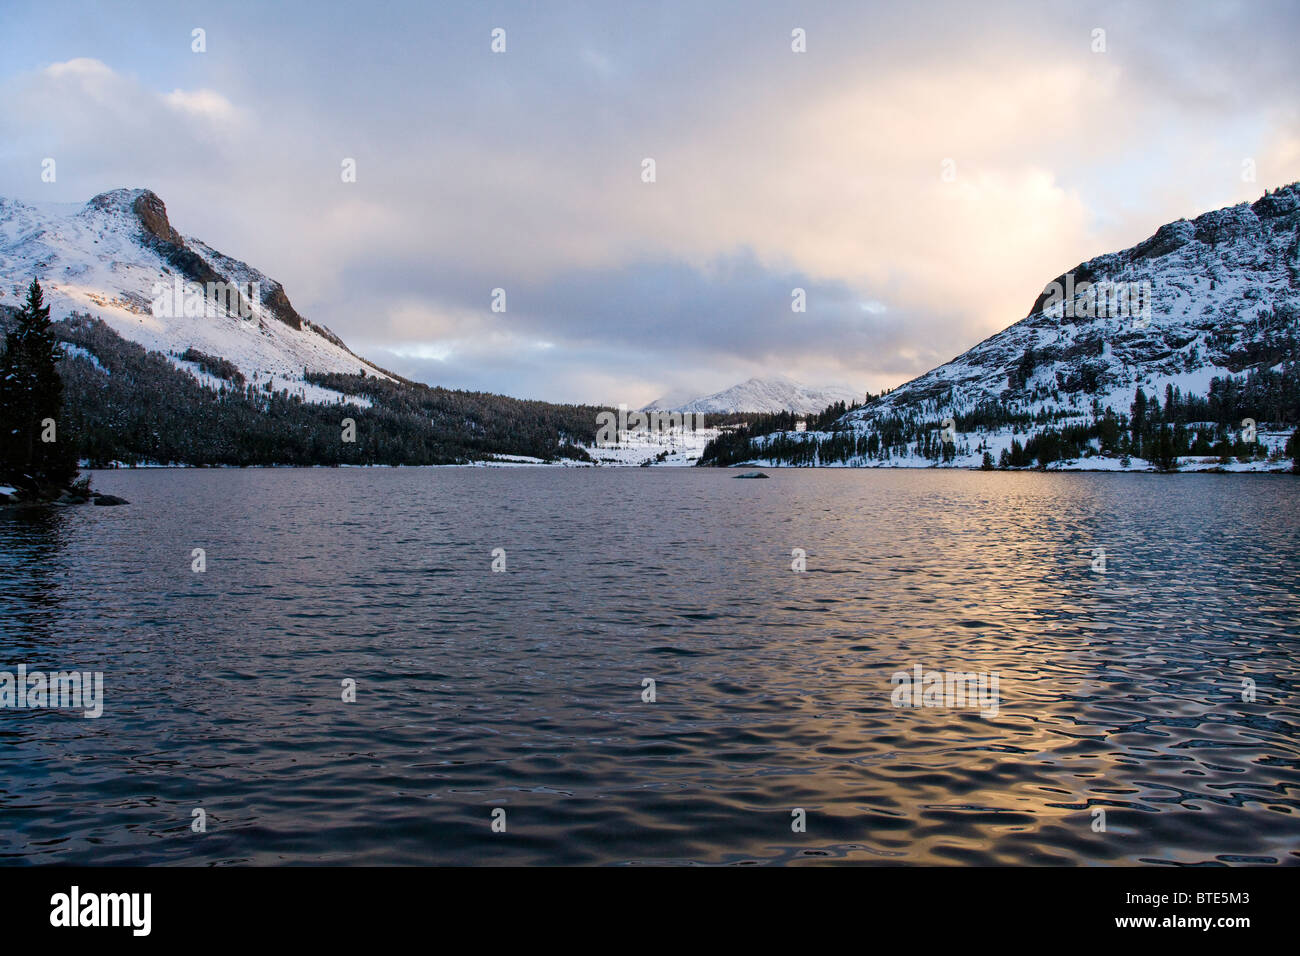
(106, 257)
(1223, 293)
(774, 394)
(1210, 280)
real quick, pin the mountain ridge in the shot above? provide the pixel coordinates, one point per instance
(110, 255)
(1217, 297)
(773, 393)
(175, 353)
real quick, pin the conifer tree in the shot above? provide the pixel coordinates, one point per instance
(31, 398)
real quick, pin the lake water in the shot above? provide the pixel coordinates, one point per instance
(1126, 690)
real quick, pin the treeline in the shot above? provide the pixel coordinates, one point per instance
(486, 422)
(1185, 425)
(1211, 425)
(764, 423)
(1206, 426)
(139, 407)
(787, 448)
(214, 365)
(897, 435)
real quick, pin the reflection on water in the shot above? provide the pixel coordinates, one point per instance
(1120, 691)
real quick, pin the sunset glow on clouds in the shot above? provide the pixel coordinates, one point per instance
(820, 170)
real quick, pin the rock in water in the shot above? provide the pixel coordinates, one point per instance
(109, 500)
(752, 474)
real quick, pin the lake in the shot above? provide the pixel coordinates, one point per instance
(648, 680)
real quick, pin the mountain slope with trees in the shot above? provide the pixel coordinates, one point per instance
(160, 370)
(1181, 352)
(124, 404)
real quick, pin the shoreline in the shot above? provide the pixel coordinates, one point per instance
(1070, 469)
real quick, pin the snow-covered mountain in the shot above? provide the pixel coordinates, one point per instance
(773, 394)
(1220, 287)
(174, 353)
(1215, 297)
(116, 255)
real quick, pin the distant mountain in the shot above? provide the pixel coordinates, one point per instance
(177, 353)
(772, 394)
(1202, 319)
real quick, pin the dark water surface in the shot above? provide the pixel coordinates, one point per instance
(522, 690)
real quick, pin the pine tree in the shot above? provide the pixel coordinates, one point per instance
(1138, 419)
(31, 398)
(1166, 453)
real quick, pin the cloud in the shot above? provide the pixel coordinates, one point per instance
(106, 130)
(823, 170)
(205, 105)
(90, 72)
(649, 325)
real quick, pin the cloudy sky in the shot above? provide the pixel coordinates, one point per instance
(922, 170)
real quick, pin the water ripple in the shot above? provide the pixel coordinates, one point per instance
(1160, 692)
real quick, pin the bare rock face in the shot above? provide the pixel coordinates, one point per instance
(275, 300)
(152, 213)
(156, 231)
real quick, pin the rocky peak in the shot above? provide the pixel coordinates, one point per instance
(142, 205)
(152, 213)
(1275, 212)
